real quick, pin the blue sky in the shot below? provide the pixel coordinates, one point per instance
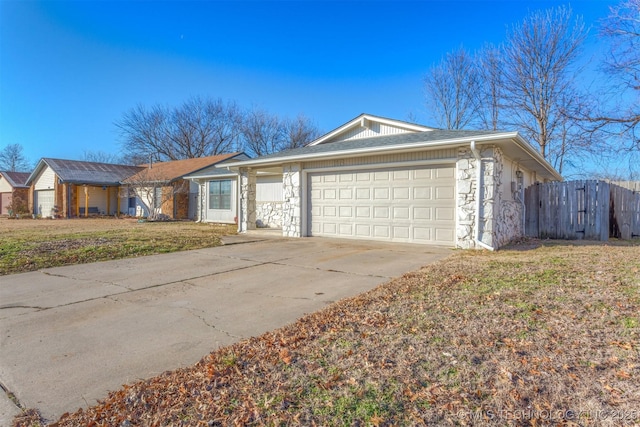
(70, 69)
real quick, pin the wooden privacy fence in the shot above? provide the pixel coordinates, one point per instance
(624, 213)
(593, 210)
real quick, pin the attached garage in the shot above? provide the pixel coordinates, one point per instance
(413, 205)
(44, 201)
(388, 180)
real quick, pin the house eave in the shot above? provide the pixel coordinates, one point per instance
(390, 149)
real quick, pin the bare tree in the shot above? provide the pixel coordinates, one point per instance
(538, 57)
(199, 127)
(299, 131)
(12, 159)
(101, 157)
(451, 88)
(264, 133)
(490, 87)
(621, 116)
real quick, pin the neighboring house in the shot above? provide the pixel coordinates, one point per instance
(162, 188)
(14, 192)
(71, 188)
(218, 189)
(389, 180)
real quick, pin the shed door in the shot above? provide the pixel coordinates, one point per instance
(414, 205)
(44, 201)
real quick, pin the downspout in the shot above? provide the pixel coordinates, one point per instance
(520, 194)
(476, 237)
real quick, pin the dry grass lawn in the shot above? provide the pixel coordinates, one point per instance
(536, 335)
(28, 245)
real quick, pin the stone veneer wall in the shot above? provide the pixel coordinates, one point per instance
(509, 223)
(500, 221)
(291, 206)
(247, 199)
(269, 214)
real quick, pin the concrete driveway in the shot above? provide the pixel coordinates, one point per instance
(71, 334)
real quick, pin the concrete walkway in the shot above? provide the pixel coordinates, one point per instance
(71, 334)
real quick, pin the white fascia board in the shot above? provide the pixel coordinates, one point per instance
(389, 149)
(42, 163)
(358, 120)
(537, 156)
(212, 176)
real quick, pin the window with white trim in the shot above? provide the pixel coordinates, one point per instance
(220, 194)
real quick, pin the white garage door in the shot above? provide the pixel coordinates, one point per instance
(415, 205)
(44, 201)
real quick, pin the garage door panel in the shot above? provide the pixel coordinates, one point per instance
(422, 193)
(415, 204)
(363, 193)
(329, 211)
(422, 214)
(363, 230)
(422, 234)
(381, 176)
(381, 193)
(444, 214)
(363, 211)
(401, 175)
(444, 193)
(381, 212)
(445, 173)
(345, 211)
(381, 231)
(346, 229)
(444, 235)
(400, 213)
(401, 193)
(329, 228)
(345, 194)
(401, 232)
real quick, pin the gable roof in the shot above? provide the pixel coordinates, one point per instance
(216, 170)
(81, 172)
(16, 179)
(511, 143)
(369, 126)
(175, 169)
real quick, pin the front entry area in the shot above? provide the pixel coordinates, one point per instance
(413, 205)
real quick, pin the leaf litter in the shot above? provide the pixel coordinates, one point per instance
(536, 336)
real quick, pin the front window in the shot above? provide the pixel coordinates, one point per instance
(220, 194)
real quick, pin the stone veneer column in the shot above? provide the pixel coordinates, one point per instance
(291, 206)
(491, 164)
(247, 200)
(466, 198)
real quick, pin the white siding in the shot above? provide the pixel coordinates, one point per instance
(373, 129)
(5, 187)
(46, 180)
(449, 154)
(269, 188)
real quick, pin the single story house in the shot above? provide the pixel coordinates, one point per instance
(389, 180)
(219, 202)
(14, 192)
(72, 188)
(162, 189)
